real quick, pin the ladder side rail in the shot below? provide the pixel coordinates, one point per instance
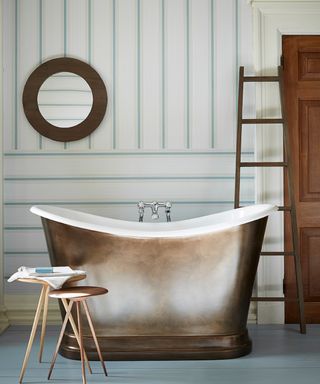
(239, 139)
(294, 225)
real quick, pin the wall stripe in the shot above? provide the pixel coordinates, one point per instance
(89, 31)
(139, 74)
(16, 74)
(212, 67)
(114, 75)
(40, 30)
(237, 39)
(23, 228)
(130, 153)
(151, 177)
(40, 49)
(187, 75)
(65, 10)
(236, 62)
(163, 77)
(35, 253)
(65, 27)
(115, 202)
(89, 50)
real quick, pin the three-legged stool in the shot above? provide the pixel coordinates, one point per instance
(78, 295)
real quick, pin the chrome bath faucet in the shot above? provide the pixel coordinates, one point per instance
(155, 205)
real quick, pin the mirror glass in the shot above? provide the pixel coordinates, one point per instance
(65, 99)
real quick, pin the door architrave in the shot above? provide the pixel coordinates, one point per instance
(271, 20)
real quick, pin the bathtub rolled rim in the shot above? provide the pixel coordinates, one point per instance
(190, 227)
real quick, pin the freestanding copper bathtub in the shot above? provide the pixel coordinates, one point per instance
(178, 290)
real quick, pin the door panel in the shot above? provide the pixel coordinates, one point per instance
(301, 57)
(309, 134)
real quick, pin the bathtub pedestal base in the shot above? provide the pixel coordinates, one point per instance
(160, 347)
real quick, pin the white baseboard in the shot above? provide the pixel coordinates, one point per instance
(20, 309)
(4, 321)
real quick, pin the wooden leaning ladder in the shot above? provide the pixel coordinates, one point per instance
(286, 163)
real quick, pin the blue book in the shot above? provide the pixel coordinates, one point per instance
(44, 270)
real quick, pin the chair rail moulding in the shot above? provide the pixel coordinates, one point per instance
(271, 20)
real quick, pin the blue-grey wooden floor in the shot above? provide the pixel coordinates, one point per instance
(280, 355)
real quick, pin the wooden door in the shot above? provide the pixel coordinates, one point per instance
(301, 63)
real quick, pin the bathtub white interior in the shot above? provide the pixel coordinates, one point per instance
(195, 226)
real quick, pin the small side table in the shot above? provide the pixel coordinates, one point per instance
(43, 305)
(78, 295)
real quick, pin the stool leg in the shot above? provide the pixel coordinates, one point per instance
(75, 331)
(94, 336)
(32, 334)
(81, 344)
(44, 321)
(60, 338)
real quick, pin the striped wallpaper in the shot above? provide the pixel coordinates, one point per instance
(170, 68)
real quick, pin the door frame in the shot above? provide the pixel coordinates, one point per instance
(271, 20)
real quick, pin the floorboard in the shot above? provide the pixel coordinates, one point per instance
(280, 355)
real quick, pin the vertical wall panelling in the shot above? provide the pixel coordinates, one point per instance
(151, 74)
(40, 51)
(3, 318)
(212, 71)
(65, 32)
(114, 70)
(89, 27)
(187, 74)
(163, 74)
(77, 45)
(139, 144)
(102, 51)
(169, 67)
(176, 74)
(53, 45)
(16, 23)
(89, 24)
(9, 77)
(225, 73)
(27, 60)
(200, 105)
(237, 41)
(237, 38)
(65, 38)
(126, 74)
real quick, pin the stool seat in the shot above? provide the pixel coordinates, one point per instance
(77, 293)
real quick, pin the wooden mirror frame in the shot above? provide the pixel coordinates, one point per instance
(40, 75)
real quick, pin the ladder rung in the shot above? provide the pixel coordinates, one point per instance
(252, 79)
(262, 121)
(273, 299)
(281, 253)
(284, 208)
(263, 164)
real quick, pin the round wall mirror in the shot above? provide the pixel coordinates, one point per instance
(65, 99)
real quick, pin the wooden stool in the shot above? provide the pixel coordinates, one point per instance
(77, 295)
(43, 305)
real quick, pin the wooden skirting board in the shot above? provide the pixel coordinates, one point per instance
(20, 309)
